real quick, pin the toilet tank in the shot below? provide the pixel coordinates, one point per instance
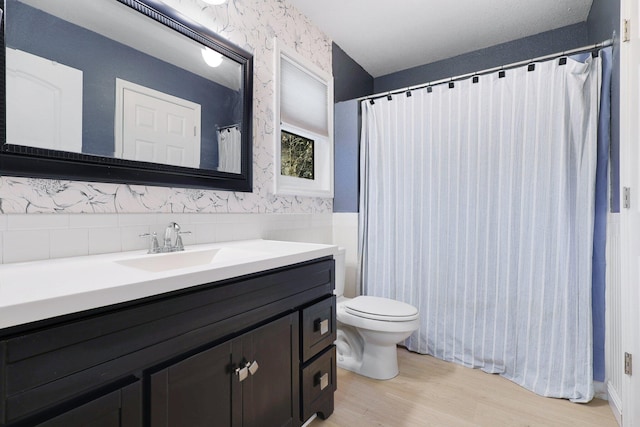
(340, 271)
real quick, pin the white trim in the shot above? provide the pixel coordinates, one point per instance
(614, 354)
(322, 185)
(614, 403)
(630, 217)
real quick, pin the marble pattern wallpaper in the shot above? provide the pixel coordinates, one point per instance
(252, 25)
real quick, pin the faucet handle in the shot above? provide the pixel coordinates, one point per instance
(179, 244)
(154, 247)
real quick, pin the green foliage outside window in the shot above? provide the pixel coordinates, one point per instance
(296, 158)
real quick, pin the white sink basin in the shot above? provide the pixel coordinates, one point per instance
(171, 260)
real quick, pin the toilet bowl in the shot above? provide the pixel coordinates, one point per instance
(369, 329)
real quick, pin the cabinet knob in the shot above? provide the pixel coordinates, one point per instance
(322, 326)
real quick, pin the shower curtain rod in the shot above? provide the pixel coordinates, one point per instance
(584, 49)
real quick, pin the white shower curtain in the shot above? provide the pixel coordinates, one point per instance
(477, 207)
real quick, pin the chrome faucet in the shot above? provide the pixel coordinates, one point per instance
(168, 246)
(172, 228)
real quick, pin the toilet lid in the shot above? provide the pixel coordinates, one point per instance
(377, 308)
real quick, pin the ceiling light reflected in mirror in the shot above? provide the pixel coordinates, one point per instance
(212, 58)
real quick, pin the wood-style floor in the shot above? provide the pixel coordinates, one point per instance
(431, 392)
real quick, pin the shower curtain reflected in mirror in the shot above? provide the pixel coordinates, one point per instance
(229, 149)
(477, 206)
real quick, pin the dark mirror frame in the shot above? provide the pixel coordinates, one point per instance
(22, 161)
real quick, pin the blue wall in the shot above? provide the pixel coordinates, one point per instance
(346, 137)
(79, 48)
(603, 22)
(350, 80)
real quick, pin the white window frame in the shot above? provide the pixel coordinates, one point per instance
(322, 184)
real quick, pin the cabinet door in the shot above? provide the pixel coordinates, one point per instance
(121, 408)
(270, 395)
(206, 390)
(194, 392)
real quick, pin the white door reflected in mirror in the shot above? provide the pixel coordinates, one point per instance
(47, 93)
(152, 126)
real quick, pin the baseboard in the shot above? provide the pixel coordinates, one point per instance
(615, 403)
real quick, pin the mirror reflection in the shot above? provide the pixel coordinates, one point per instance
(100, 79)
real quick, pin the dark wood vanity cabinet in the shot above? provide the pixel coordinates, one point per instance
(249, 381)
(251, 351)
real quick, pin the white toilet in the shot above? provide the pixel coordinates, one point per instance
(369, 329)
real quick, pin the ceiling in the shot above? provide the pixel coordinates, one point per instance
(393, 35)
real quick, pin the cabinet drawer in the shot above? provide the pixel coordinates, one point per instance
(318, 327)
(319, 384)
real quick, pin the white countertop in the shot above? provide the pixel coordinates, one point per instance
(32, 291)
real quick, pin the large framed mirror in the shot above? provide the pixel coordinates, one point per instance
(123, 91)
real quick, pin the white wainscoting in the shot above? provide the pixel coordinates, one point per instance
(345, 234)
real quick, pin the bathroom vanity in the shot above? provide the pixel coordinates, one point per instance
(242, 339)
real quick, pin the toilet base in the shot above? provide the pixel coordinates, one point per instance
(369, 359)
(381, 365)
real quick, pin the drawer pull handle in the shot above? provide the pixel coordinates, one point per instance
(253, 367)
(242, 373)
(248, 368)
(322, 326)
(322, 380)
